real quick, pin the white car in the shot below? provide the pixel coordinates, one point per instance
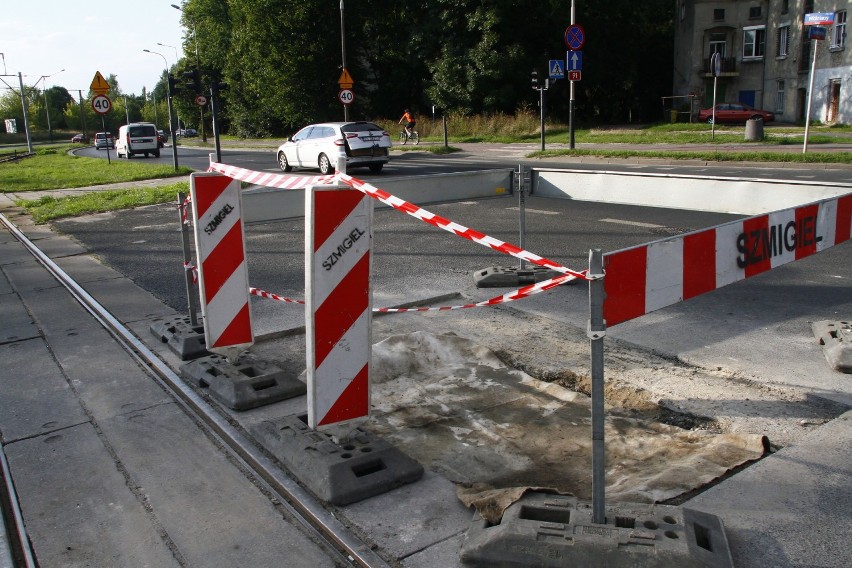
(363, 144)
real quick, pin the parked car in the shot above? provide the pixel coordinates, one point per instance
(363, 144)
(80, 138)
(734, 113)
(161, 138)
(187, 132)
(104, 140)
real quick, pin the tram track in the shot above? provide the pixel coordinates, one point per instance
(321, 523)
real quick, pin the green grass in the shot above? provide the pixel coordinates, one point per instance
(54, 168)
(50, 208)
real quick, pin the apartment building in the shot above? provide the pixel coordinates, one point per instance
(766, 56)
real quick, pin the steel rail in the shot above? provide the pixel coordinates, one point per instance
(289, 493)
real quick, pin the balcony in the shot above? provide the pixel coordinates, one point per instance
(729, 67)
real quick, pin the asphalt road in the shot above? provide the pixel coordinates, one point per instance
(487, 156)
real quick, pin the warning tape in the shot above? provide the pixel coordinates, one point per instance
(293, 182)
(518, 294)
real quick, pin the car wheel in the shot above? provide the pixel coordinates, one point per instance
(325, 166)
(283, 163)
(157, 154)
(757, 117)
(709, 120)
(376, 168)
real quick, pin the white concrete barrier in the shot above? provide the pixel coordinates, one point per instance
(265, 204)
(743, 196)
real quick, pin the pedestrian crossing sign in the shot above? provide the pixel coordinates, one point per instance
(557, 69)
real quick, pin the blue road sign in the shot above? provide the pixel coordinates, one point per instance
(575, 37)
(557, 69)
(575, 61)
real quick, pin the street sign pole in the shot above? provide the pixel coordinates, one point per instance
(716, 64)
(571, 96)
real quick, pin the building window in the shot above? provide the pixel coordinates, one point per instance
(754, 12)
(838, 32)
(754, 42)
(719, 15)
(783, 39)
(718, 44)
(785, 6)
(779, 97)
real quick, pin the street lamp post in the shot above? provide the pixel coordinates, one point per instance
(171, 110)
(23, 106)
(173, 47)
(46, 107)
(197, 65)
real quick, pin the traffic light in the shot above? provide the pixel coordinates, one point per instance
(193, 81)
(534, 78)
(173, 88)
(217, 86)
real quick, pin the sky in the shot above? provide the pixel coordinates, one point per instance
(41, 37)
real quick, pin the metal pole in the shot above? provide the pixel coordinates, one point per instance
(47, 112)
(26, 111)
(571, 96)
(83, 115)
(810, 97)
(213, 96)
(522, 209)
(187, 260)
(541, 104)
(343, 55)
(596, 332)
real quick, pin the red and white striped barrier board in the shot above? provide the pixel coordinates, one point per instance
(648, 277)
(222, 269)
(338, 310)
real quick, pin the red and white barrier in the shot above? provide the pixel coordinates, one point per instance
(338, 310)
(645, 278)
(222, 270)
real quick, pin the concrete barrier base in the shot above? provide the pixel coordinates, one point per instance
(184, 339)
(836, 340)
(512, 276)
(557, 531)
(248, 383)
(363, 466)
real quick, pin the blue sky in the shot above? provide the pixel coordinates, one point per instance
(40, 37)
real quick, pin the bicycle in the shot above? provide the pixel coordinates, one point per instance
(405, 137)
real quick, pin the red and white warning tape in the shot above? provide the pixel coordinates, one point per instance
(518, 294)
(292, 182)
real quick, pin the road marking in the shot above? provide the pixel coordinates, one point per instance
(633, 223)
(528, 210)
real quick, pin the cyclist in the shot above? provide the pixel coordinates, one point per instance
(409, 127)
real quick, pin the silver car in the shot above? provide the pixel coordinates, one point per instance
(363, 144)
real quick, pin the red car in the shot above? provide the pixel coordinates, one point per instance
(81, 138)
(734, 112)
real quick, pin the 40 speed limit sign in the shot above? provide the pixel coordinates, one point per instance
(101, 104)
(346, 96)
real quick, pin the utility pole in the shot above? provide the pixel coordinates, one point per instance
(343, 54)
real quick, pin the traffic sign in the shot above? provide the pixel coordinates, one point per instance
(575, 61)
(575, 37)
(101, 104)
(819, 19)
(817, 32)
(557, 69)
(99, 85)
(201, 100)
(575, 75)
(346, 81)
(346, 96)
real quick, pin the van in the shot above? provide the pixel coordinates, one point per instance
(137, 138)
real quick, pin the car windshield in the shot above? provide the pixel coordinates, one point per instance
(142, 131)
(360, 127)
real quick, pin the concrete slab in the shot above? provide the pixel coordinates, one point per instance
(444, 554)
(127, 301)
(200, 496)
(791, 508)
(84, 268)
(37, 398)
(56, 246)
(5, 287)
(12, 252)
(17, 323)
(77, 506)
(414, 517)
